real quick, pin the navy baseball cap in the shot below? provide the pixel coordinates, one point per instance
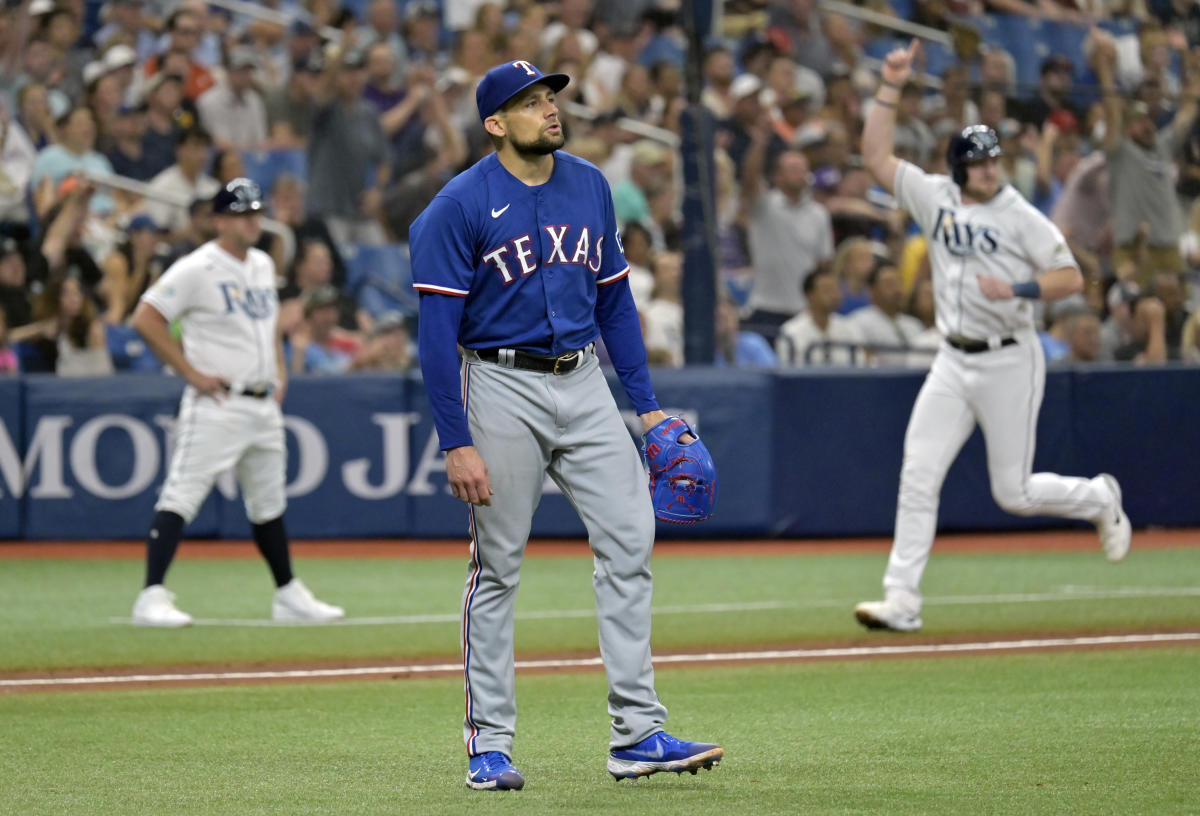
(239, 197)
(507, 80)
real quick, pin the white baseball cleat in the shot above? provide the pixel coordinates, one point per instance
(886, 615)
(294, 602)
(155, 606)
(1116, 532)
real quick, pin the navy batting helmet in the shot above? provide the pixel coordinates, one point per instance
(975, 143)
(239, 197)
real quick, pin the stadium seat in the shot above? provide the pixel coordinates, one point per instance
(380, 279)
(129, 351)
(265, 166)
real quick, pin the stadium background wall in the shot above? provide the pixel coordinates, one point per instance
(799, 454)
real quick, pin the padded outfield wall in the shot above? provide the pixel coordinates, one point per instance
(799, 454)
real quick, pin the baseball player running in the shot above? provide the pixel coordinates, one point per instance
(223, 295)
(992, 255)
(518, 261)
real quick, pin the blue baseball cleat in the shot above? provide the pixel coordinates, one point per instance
(493, 771)
(662, 752)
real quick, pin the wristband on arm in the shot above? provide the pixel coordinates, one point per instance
(1027, 289)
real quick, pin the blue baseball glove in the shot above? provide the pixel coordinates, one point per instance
(683, 478)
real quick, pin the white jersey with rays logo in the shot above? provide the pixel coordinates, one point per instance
(1005, 238)
(227, 309)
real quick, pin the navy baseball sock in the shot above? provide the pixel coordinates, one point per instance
(161, 544)
(272, 541)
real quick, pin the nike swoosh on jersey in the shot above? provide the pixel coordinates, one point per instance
(497, 213)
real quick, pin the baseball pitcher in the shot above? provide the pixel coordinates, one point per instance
(518, 261)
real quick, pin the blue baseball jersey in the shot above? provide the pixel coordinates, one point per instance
(528, 260)
(501, 264)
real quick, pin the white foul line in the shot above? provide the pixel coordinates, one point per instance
(1068, 593)
(596, 662)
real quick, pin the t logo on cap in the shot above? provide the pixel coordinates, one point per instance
(501, 84)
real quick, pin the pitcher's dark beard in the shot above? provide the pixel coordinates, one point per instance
(541, 146)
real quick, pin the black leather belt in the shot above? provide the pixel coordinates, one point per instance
(562, 364)
(258, 392)
(975, 346)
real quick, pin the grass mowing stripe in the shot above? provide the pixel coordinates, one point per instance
(1072, 732)
(917, 649)
(1068, 594)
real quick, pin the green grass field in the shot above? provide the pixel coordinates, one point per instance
(1066, 732)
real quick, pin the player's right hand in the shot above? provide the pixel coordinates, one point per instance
(897, 65)
(468, 475)
(207, 386)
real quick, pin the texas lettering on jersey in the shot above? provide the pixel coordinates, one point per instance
(255, 303)
(515, 257)
(963, 239)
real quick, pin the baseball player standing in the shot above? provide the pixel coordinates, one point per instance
(518, 261)
(223, 295)
(992, 255)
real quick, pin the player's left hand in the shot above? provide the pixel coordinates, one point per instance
(652, 418)
(994, 288)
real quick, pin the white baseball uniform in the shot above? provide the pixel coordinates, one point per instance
(228, 310)
(998, 384)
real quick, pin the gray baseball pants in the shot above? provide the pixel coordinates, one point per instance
(526, 424)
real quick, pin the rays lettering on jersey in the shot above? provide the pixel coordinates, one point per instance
(515, 258)
(963, 239)
(256, 304)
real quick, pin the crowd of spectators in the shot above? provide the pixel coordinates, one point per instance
(369, 106)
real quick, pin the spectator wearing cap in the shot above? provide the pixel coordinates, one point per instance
(75, 153)
(319, 345)
(422, 32)
(185, 180)
(1134, 331)
(125, 22)
(1141, 169)
(127, 146)
(790, 234)
(290, 108)
(736, 132)
(1053, 92)
(649, 171)
(164, 98)
(233, 110)
(389, 346)
(130, 269)
(120, 61)
(348, 159)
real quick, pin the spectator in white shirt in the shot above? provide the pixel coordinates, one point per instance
(185, 180)
(819, 335)
(233, 111)
(886, 330)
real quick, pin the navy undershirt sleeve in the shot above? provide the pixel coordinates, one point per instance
(622, 333)
(437, 334)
